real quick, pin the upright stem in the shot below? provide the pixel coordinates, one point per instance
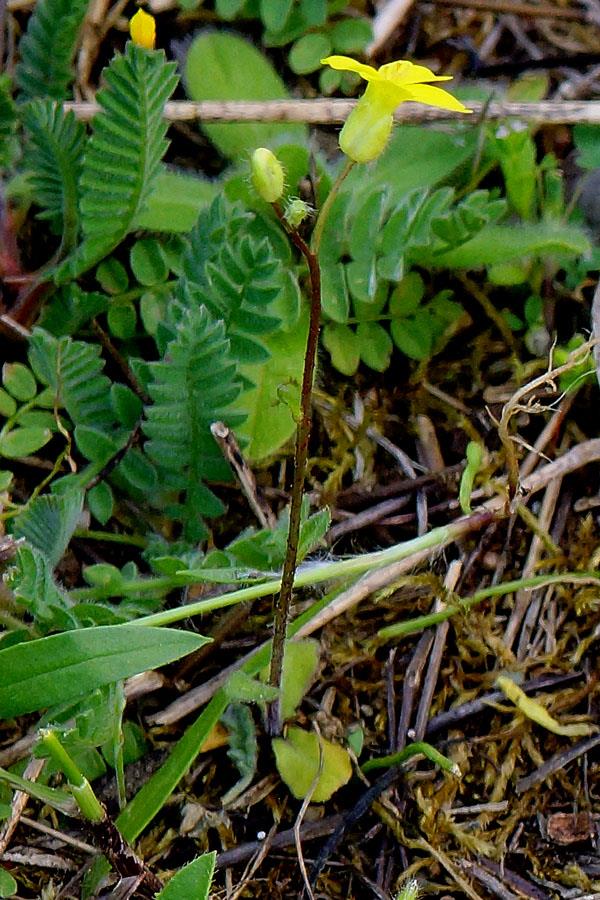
(284, 599)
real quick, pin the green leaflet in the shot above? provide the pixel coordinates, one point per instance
(192, 386)
(122, 157)
(53, 163)
(62, 667)
(48, 48)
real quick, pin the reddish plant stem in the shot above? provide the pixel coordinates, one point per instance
(283, 600)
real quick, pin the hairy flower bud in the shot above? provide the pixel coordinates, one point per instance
(142, 29)
(296, 212)
(267, 175)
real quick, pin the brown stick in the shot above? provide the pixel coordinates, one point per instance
(527, 10)
(335, 112)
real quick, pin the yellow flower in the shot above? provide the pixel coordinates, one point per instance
(368, 126)
(142, 29)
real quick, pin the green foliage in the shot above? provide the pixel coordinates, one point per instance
(122, 158)
(53, 164)
(221, 66)
(8, 885)
(37, 594)
(28, 423)
(73, 372)
(48, 48)
(8, 124)
(178, 421)
(243, 747)
(191, 882)
(368, 253)
(48, 523)
(61, 667)
(175, 201)
(237, 276)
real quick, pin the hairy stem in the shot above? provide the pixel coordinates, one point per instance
(283, 600)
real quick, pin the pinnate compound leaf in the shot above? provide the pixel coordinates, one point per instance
(123, 155)
(193, 881)
(192, 386)
(63, 667)
(301, 754)
(53, 162)
(73, 371)
(48, 48)
(48, 523)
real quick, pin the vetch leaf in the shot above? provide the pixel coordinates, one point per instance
(298, 757)
(63, 667)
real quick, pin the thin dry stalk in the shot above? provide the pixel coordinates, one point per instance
(19, 802)
(524, 602)
(335, 112)
(518, 403)
(435, 657)
(387, 19)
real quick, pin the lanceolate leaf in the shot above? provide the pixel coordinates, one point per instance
(48, 48)
(62, 667)
(123, 155)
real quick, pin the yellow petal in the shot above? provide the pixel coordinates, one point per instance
(346, 64)
(433, 96)
(142, 29)
(405, 72)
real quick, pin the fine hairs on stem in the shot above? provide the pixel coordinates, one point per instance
(284, 598)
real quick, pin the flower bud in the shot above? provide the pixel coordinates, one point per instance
(296, 212)
(142, 29)
(267, 175)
